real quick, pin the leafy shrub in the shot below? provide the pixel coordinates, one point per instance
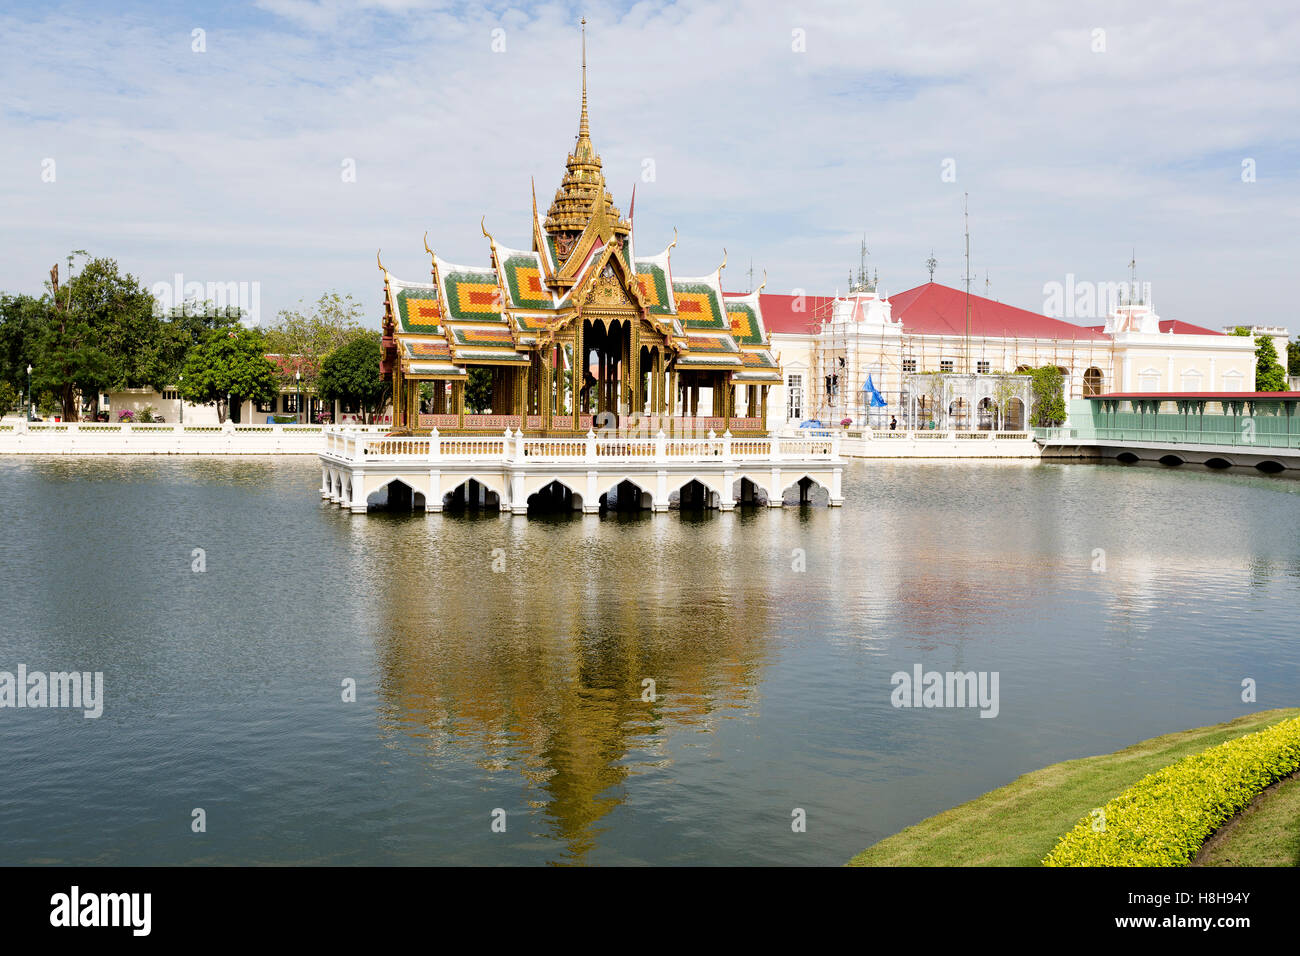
(1164, 818)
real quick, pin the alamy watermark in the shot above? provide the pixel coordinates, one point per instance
(64, 689)
(128, 910)
(922, 688)
(1082, 299)
(223, 296)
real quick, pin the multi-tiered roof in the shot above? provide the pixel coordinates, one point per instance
(582, 256)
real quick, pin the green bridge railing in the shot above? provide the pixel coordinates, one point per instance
(1247, 434)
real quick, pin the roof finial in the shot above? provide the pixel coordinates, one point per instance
(380, 261)
(582, 121)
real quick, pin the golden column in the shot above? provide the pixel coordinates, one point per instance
(579, 371)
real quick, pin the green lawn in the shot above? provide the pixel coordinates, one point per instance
(1019, 824)
(1266, 834)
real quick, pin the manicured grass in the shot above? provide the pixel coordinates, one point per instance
(1265, 834)
(1019, 824)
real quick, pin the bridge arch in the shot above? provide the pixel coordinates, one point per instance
(472, 492)
(398, 493)
(554, 496)
(624, 485)
(805, 483)
(695, 491)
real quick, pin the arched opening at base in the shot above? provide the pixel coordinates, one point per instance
(471, 495)
(625, 496)
(693, 496)
(1127, 457)
(1218, 463)
(1173, 460)
(555, 498)
(748, 493)
(806, 491)
(1270, 467)
(396, 496)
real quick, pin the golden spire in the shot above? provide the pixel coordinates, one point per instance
(582, 120)
(583, 186)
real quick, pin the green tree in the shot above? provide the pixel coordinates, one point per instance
(1270, 376)
(96, 330)
(310, 333)
(126, 321)
(185, 326)
(1049, 396)
(1005, 390)
(22, 317)
(350, 373)
(1293, 357)
(478, 389)
(8, 398)
(229, 364)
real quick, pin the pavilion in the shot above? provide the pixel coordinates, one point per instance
(577, 331)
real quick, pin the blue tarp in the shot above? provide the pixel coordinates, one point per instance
(877, 400)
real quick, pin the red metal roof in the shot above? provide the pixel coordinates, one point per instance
(1178, 328)
(793, 314)
(1206, 396)
(934, 309)
(1185, 328)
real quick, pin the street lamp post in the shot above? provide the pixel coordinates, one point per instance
(180, 379)
(29, 393)
(297, 377)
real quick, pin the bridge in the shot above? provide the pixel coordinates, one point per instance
(1218, 429)
(512, 471)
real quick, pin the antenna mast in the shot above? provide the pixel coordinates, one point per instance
(965, 213)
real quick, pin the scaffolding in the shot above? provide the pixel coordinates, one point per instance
(844, 355)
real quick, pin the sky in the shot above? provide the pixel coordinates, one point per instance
(280, 144)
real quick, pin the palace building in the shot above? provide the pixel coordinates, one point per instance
(829, 347)
(576, 331)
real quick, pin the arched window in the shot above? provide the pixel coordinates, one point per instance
(1092, 382)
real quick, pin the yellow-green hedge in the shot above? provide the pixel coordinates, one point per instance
(1164, 818)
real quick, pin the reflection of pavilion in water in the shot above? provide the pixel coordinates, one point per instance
(553, 687)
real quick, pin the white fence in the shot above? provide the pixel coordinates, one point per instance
(939, 443)
(19, 437)
(355, 448)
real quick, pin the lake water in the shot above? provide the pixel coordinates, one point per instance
(521, 689)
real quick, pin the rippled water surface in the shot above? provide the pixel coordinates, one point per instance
(522, 689)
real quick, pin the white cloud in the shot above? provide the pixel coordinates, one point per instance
(226, 164)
